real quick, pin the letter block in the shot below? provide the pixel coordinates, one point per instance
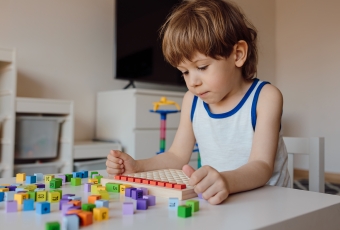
(184, 211)
(101, 213)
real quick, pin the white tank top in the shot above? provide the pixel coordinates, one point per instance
(225, 140)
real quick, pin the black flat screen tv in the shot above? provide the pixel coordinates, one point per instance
(139, 54)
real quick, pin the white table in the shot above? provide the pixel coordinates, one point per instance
(264, 208)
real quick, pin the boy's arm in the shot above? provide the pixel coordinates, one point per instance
(260, 165)
(180, 151)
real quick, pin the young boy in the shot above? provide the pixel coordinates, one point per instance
(234, 117)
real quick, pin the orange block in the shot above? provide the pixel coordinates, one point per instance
(138, 180)
(153, 182)
(161, 184)
(74, 211)
(92, 199)
(85, 217)
(180, 186)
(75, 202)
(123, 178)
(169, 185)
(146, 181)
(131, 179)
(117, 177)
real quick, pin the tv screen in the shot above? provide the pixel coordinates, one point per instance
(139, 54)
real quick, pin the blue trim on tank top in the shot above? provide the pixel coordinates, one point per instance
(193, 107)
(254, 104)
(234, 110)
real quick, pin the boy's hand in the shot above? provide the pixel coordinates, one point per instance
(209, 182)
(118, 163)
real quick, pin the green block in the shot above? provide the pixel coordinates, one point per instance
(194, 204)
(92, 173)
(53, 184)
(184, 211)
(99, 178)
(88, 207)
(75, 181)
(52, 226)
(32, 195)
(112, 187)
(58, 190)
(68, 177)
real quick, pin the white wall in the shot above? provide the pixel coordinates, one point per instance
(307, 72)
(64, 51)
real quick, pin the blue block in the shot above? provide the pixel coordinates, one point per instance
(28, 205)
(71, 222)
(85, 173)
(2, 195)
(173, 203)
(102, 203)
(78, 174)
(43, 207)
(39, 176)
(31, 179)
(75, 198)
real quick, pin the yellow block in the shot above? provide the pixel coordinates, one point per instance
(123, 187)
(48, 178)
(31, 187)
(20, 177)
(104, 194)
(101, 188)
(41, 196)
(94, 181)
(4, 184)
(94, 188)
(20, 197)
(101, 213)
(53, 197)
(4, 189)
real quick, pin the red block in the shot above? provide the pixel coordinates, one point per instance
(180, 186)
(153, 182)
(117, 177)
(138, 180)
(131, 179)
(146, 181)
(123, 178)
(161, 184)
(169, 185)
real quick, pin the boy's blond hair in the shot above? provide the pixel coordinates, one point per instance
(210, 27)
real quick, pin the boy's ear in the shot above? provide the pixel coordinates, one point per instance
(241, 51)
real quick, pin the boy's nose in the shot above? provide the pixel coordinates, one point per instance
(194, 81)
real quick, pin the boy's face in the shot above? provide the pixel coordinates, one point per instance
(208, 78)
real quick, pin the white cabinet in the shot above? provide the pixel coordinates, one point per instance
(12, 106)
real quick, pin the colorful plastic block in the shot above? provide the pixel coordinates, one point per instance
(137, 194)
(11, 187)
(31, 179)
(39, 176)
(145, 190)
(85, 174)
(88, 207)
(32, 195)
(20, 197)
(40, 185)
(194, 204)
(87, 187)
(104, 195)
(28, 205)
(62, 202)
(92, 199)
(68, 177)
(41, 196)
(67, 196)
(20, 177)
(71, 222)
(142, 204)
(113, 187)
(54, 184)
(11, 206)
(42, 207)
(52, 226)
(128, 208)
(98, 177)
(65, 207)
(102, 203)
(9, 195)
(93, 173)
(48, 178)
(4, 189)
(62, 177)
(184, 211)
(31, 187)
(76, 181)
(78, 175)
(59, 191)
(86, 218)
(173, 203)
(93, 181)
(53, 197)
(151, 200)
(101, 213)
(2, 196)
(75, 198)
(73, 210)
(76, 203)
(123, 187)
(94, 188)
(128, 191)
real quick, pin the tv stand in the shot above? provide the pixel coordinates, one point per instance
(130, 84)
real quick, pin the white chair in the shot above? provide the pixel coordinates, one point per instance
(315, 148)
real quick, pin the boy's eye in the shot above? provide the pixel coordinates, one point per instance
(185, 73)
(202, 68)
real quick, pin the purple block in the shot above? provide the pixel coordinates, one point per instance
(66, 196)
(142, 204)
(63, 177)
(21, 191)
(137, 194)
(40, 185)
(128, 208)
(200, 196)
(128, 191)
(11, 206)
(151, 200)
(145, 190)
(62, 202)
(11, 187)
(65, 207)
(87, 187)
